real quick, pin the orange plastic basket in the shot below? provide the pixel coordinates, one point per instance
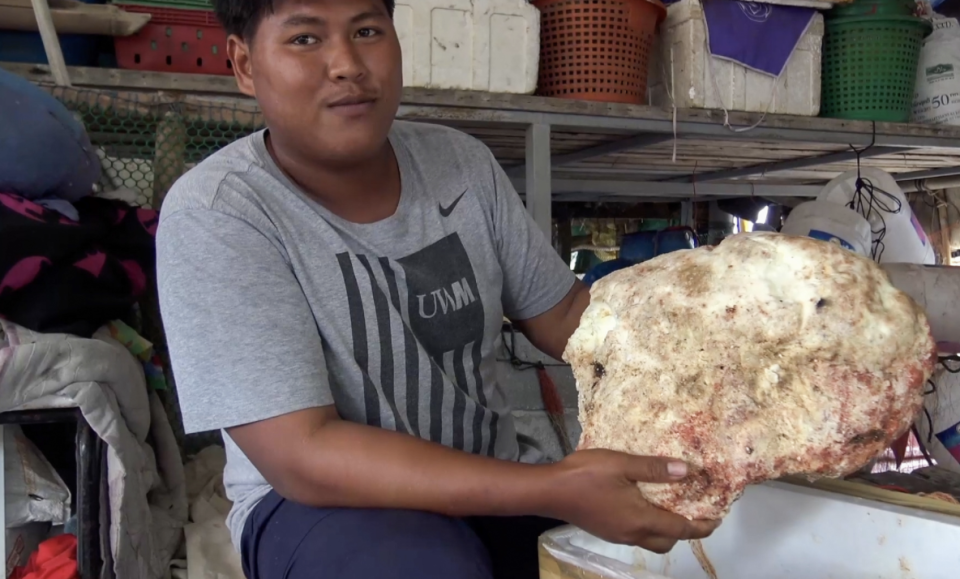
(597, 49)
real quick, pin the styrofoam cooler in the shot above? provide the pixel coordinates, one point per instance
(904, 241)
(485, 45)
(682, 59)
(783, 531)
(830, 222)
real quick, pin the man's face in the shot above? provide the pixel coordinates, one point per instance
(327, 75)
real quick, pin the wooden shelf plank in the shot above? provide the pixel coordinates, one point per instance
(563, 115)
(702, 143)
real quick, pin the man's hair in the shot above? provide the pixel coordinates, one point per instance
(241, 17)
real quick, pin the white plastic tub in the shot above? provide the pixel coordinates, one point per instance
(784, 531)
(683, 59)
(831, 222)
(486, 45)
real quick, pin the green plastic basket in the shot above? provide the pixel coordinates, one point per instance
(870, 67)
(873, 8)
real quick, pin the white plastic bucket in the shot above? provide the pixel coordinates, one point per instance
(905, 240)
(830, 222)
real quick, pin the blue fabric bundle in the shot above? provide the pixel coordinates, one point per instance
(44, 151)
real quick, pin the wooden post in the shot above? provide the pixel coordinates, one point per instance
(169, 157)
(538, 171)
(946, 252)
(51, 44)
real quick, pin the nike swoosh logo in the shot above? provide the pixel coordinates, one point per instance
(446, 211)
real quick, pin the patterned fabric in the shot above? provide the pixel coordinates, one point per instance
(58, 275)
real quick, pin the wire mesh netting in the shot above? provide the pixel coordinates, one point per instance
(146, 141)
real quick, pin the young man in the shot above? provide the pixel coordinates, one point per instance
(332, 290)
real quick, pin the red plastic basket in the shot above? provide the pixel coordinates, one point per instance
(175, 40)
(597, 49)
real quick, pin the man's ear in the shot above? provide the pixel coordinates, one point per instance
(239, 53)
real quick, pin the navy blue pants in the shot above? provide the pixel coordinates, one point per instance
(287, 540)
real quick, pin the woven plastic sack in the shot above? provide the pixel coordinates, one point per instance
(937, 98)
(35, 493)
(939, 423)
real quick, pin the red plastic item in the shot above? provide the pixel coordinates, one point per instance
(175, 40)
(894, 488)
(597, 50)
(55, 558)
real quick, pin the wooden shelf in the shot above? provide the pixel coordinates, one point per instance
(598, 151)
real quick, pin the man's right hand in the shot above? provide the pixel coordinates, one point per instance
(596, 490)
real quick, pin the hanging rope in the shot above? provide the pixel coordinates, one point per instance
(549, 393)
(872, 203)
(954, 359)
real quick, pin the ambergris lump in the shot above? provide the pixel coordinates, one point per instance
(765, 356)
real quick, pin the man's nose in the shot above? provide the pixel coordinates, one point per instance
(345, 63)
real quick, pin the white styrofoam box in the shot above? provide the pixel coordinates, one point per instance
(486, 45)
(785, 531)
(683, 59)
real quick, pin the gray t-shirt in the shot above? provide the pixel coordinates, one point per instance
(272, 304)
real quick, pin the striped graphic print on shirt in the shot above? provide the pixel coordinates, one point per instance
(417, 327)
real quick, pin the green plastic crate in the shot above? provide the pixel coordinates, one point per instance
(870, 67)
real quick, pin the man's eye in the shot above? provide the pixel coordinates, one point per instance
(367, 32)
(304, 39)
